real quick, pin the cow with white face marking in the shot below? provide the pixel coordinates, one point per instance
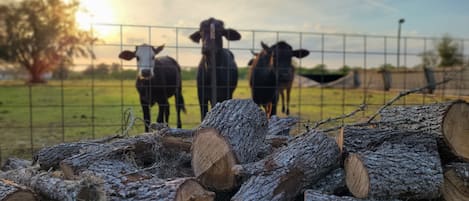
(210, 34)
(158, 79)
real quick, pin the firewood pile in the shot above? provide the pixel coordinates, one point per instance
(236, 153)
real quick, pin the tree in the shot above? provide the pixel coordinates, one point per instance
(429, 58)
(42, 35)
(449, 51)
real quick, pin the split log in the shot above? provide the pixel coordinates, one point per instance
(124, 181)
(281, 126)
(396, 171)
(456, 185)
(15, 163)
(53, 188)
(232, 132)
(50, 157)
(362, 139)
(10, 191)
(115, 175)
(180, 189)
(312, 195)
(285, 173)
(166, 163)
(447, 121)
(332, 183)
(173, 139)
(72, 166)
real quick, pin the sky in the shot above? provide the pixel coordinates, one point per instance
(430, 18)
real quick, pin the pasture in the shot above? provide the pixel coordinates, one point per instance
(32, 117)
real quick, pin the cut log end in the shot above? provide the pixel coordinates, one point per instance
(356, 178)
(20, 196)
(67, 171)
(193, 191)
(213, 159)
(454, 188)
(456, 129)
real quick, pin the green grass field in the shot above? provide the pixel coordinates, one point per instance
(72, 110)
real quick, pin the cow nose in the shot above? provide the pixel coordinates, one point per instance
(146, 73)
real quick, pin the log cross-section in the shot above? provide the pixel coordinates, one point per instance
(394, 171)
(448, 121)
(232, 132)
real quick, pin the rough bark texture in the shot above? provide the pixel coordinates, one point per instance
(15, 163)
(124, 181)
(312, 195)
(10, 191)
(285, 173)
(180, 189)
(50, 157)
(51, 187)
(115, 175)
(456, 185)
(72, 166)
(332, 183)
(232, 132)
(395, 171)
(361, 139)
(447, 121)
(281, 126)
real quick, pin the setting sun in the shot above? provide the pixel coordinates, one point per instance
(92, 12)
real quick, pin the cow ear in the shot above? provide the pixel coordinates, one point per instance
(158, 49)
(264, 46)
(231, 34)
(195, 37)
(254, 53)
(300, 53)
(127, 55)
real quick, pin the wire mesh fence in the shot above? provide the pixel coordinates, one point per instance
(93, 106)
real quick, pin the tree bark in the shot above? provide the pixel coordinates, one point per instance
(281, 126)
(53, 188)
(362, 139)
(124, 181)
(447, 121)
(312, 195)
(332, 183)
(175, 140)
(50, 157)
(232, 132)
(15, 163)
(179, 189)
(456, 185)
(395, 171)
(10, 191)
(285, 173)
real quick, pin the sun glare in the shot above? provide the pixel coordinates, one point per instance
(94, 12)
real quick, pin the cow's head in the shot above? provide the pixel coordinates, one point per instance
(211, 31)
(281, 54)
(145, 59)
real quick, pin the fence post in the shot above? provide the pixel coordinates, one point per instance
(430, 78)
(387, 79)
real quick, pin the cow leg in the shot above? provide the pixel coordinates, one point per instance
(288, 100)
(160, 113)
(163, 112)
(282, 96)
(146, 116)
(203, 103)
(179, 105)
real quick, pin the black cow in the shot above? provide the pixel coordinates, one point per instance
(271, 73)
(210, 34)
(158, 79)
(263, 82)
